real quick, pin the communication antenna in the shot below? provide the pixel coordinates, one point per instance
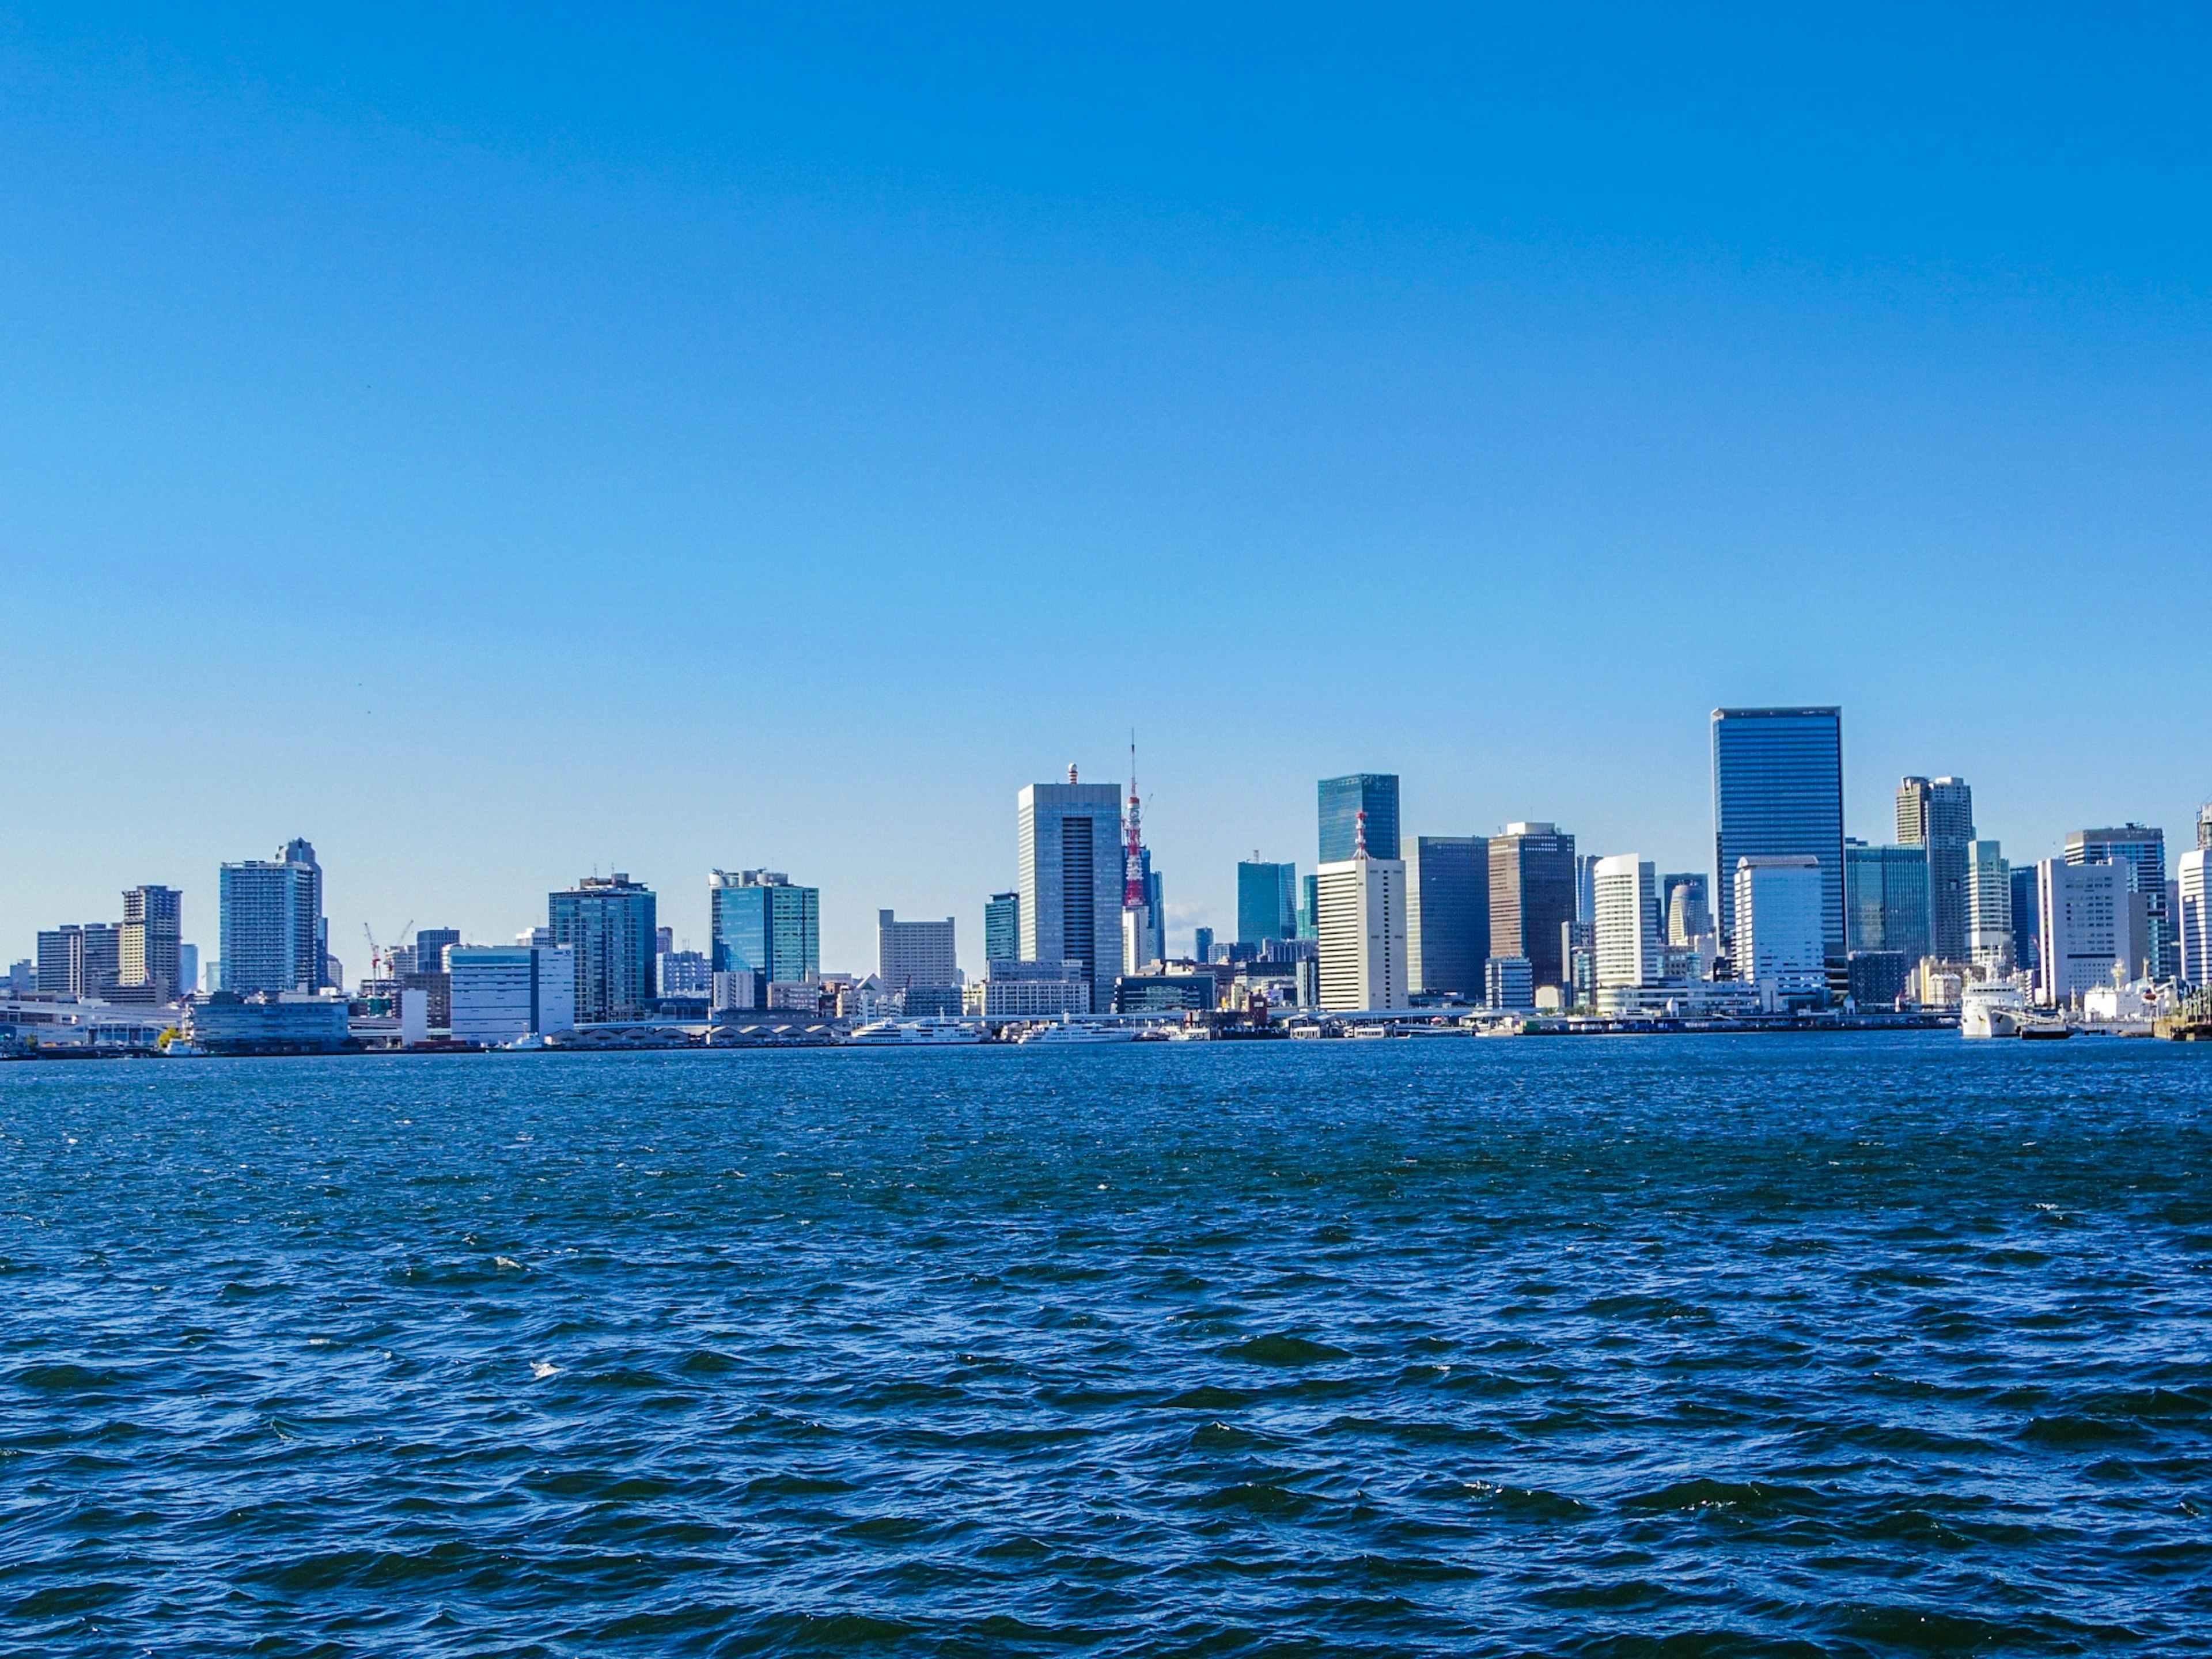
(1133, 870)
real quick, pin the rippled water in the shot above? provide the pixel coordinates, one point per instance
(1690, 1346)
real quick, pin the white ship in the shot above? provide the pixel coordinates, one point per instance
(1066, 1030)
(937, 1031)
(1992, 1011)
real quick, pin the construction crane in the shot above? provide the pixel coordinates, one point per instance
(379, 960)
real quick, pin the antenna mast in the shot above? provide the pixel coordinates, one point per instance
(1132, 869)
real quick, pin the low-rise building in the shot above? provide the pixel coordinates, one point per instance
(1035, 990)
(500, 993)
(285, 1022)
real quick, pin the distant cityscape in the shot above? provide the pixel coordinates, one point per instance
(1795, 917)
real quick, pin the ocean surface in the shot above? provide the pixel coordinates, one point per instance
(1682, 1346)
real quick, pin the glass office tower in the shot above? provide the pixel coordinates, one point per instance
(1778, 792)
(763, 924)
(1267, 901)
(1342, 801)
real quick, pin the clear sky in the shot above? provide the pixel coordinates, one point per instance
(500, 447)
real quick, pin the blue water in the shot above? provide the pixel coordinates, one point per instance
(1682, 1346)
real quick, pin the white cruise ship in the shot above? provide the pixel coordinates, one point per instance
(935, 1032)
(1992, 1011)
(1066, 1030)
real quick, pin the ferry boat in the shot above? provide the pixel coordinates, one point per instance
(1992, 1011)
(939, 1031)
(1066, 1030)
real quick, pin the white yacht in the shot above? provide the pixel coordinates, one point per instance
(1066, 1030)
(1992, 1011)
(939, 1031)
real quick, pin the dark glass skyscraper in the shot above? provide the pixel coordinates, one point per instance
(1778, 790)
(1342, 801)
(1267, 901)
(1448, 915)
(1938, 814)
(1002, 927)
(1532, 898)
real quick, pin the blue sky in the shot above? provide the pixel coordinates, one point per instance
(501, 447)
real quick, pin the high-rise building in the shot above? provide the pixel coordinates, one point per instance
(763, 924)
(1685, 905)
(1448, 915)
(80, 960)
(1202, 944)
(152, 935)
(1309, 907)
(1625, 889)
(609, 923)
(1002, 927)
(1778, 792)
(1342, 802)
(2143, 852)
(1267, 901)
(2083, 928)
(680, 973)
(1069, 872)
(270, 913)
(1887, 894)
(431, 945)
(188, 970)
(1586, 887)
(2193, 916)
(1989, 908)
(2026, 920)
(1532, 895)
(1938, 814)
(1363, 930)
(1781, 921)
(918, 958)
(501, 993)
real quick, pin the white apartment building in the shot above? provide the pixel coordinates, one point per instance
(504, 992)
(2193, 920)
(1779, 940)
(2084, 927)
(1989, 908)
(1362, 924)
(1626, 899)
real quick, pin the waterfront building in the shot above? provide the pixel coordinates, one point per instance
(2193, 916)
(1686, 907)
(761, 922)
(1163, 994)
(1002, 927)
(79, 960)
(1202, 944)
(1267, 901)
(1509, 985)
(1342, 802)
(1069, 872)
(1937, 815)
(1036, 990)
(2026, 917)
(1778, 792)
(431, 945)
(1625, 894)
(1887, 899)
(1877, 978)
(917, 960)
(2083, 928)
(286, 1022)
(1989, 908)
(2142, 852)
(1363, 930)
(270, 914)
(500, 994)
(1447, 915)
(151, 943)
(610, 923)
(1532, 895)
(1780, 908)
(682, 972)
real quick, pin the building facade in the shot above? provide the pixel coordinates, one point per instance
(1342, 800)
(920, 960)
(1014, 989)
(500, 993)
(1937, 815)
(2142, 852)
(1363, 931)
(1686, 909)
(1778, 792)
(2083, 928)
(1267, 901)
(1068, 863)
(2193, 917)
(1532, 898)
(149, 950)
(1447, 915)
(610, 925)
(1002, 927)
(1624, 891)
(1781, 921)
(270, 916)
(1989, 908)
(1887, 900)
(80, 960)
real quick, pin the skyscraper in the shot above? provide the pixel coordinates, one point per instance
(1069, 871)
(609, 924)
(2142, 851)
(763, 924)
(1685, 907)
(1448, 915)
(1938, 814)
(1780, 903)
(2193, 923)
(918, 958)
(1989, 908)
(1267, 901)
(80, 960)
(270, 914)
(1342, 801)
(1002, 927)
(2026, 920)
(1887, 899)
(1778, 792)
(1363, 930)
(2083, 928)
(1202, 944)
(1532, 897)
(148, 957)
(1624, 897)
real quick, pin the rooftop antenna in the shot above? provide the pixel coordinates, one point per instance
(1360, 835)
(1071, 771)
